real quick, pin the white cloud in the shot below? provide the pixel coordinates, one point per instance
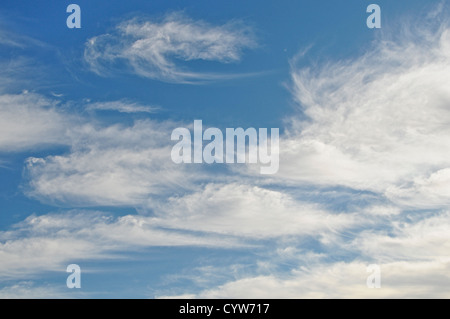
(413, 258)
(155, 49)
(249, 211)
(424, 239)
(220, 216)
(374, 122)
(122, 106)
(111, 166)
(340, 280)
(379, 122)
(51, 242)
(29, 120)
(423, 192)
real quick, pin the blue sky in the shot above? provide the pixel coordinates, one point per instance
(86, 175)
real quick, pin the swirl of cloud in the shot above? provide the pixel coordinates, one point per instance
(157, 50)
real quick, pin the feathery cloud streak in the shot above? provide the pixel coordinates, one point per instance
(155, 49)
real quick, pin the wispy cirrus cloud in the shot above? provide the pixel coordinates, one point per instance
(378, 122)
(9, 38)
(112, 165)
(423, 191)
(157, 50)
(122, 106)
(250, 212)
(337, 280)
(50, 242)
(413, 257)
(375, 122)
